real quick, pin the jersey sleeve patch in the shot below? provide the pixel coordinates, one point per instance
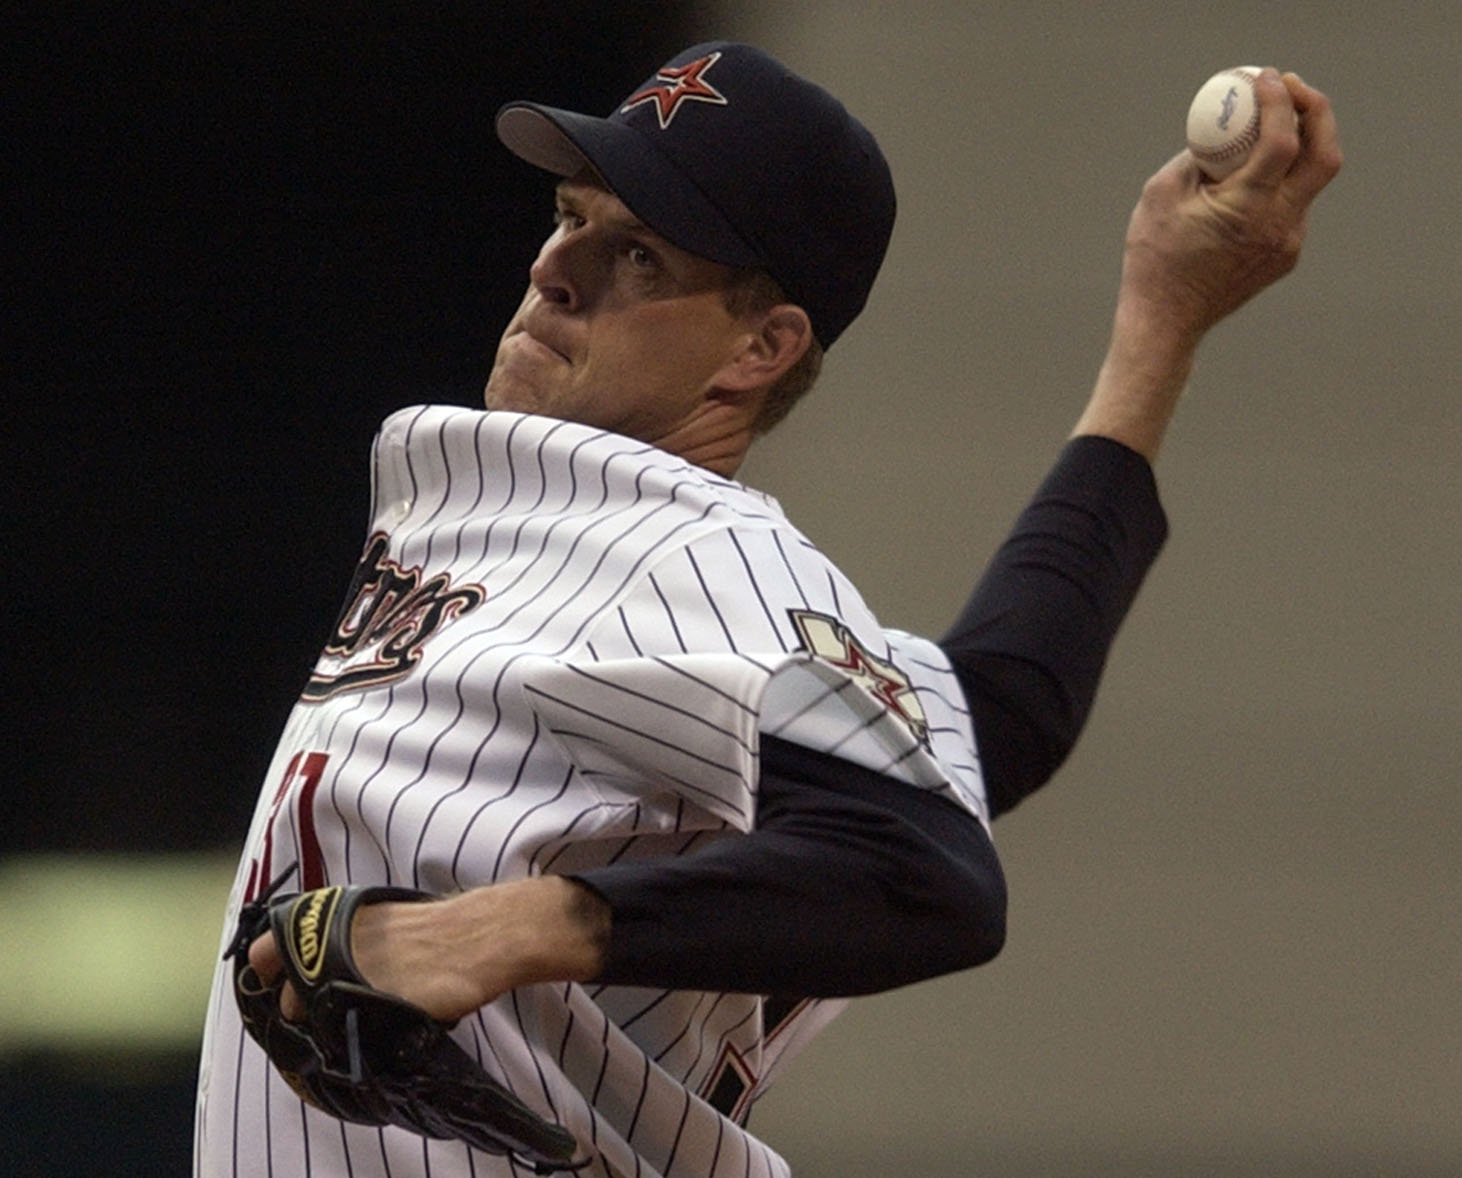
(898, 711)
(829, 640)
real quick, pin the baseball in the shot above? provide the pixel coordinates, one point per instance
(1223, 122)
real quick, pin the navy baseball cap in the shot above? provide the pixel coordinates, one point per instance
(728, 154)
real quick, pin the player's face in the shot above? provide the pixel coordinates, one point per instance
(619, 328)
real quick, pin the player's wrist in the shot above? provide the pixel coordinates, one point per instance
(1139, 384)
(1150, 353)
(545, 929)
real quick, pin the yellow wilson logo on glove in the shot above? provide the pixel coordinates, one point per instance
(309, 927)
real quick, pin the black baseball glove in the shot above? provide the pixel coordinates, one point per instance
(366, 1056)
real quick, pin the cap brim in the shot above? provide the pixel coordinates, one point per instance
(649, 184)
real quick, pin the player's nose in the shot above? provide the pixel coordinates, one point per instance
(564, 272)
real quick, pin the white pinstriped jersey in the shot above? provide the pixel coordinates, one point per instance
(558, 652)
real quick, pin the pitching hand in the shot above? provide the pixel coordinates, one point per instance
(1197, 250)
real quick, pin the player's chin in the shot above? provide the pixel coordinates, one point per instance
(521, 382)
(508, 395)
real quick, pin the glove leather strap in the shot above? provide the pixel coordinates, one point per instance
(313, 932)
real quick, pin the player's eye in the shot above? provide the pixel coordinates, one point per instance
(566, 218)
(642, 257)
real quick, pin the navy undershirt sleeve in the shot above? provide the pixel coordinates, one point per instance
(852, 882)
(1032, 640)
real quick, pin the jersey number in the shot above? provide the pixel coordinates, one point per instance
(302, 779)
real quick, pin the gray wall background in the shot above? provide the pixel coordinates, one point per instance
(1234, 924)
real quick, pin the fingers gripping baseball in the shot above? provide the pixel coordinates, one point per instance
(1197, 250)
(1319, 157)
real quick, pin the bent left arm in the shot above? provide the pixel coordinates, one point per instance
(850, 883)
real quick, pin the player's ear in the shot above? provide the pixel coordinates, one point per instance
(775, 340)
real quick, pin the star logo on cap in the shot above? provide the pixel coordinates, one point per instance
(674, 85)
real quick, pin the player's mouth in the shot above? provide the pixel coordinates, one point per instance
(543, 340)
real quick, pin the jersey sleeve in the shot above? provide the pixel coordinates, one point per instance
(739, 633)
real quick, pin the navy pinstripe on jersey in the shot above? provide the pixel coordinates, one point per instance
(559, 652)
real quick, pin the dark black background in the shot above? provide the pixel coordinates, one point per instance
(245, 233)
(242, 234)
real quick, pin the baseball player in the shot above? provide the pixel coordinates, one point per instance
(679, 790)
